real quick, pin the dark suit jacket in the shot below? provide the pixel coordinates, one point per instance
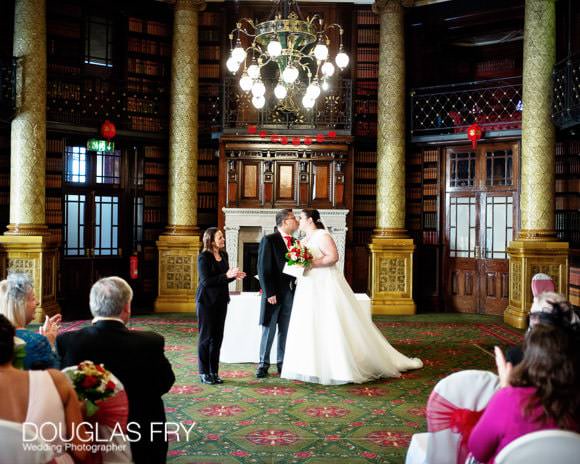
(212, 284)
(136, 358)
(271, 261)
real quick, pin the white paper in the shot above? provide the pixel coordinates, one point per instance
(295, 270)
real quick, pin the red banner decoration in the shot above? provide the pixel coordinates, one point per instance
(474, 133)
(108, 130)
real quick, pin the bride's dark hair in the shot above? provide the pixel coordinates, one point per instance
(315, 216)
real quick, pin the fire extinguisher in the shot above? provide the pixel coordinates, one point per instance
(134, 266)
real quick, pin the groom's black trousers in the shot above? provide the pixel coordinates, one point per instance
(281, 319)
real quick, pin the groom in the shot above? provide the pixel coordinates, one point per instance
(277, 289)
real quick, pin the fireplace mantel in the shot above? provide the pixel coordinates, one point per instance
(263, 222)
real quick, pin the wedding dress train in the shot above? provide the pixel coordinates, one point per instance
(331, 339)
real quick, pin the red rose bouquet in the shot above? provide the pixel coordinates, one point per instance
(298, 259)
(92, 382)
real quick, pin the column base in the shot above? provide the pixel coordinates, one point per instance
(528, 258)
(177, 282)
(391, 275)
(37, 256)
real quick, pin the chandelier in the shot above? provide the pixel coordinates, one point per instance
(299, 49)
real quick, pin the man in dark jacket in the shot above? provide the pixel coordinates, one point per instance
(277, 289)
(136, 358)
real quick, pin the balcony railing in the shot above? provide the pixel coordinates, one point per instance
(566, 98)
(333, 110)
(7, 88)
(496, 105)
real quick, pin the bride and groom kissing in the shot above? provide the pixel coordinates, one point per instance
(324, 335)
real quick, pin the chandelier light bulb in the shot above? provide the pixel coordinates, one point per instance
(258, 89)
(328, 69)
(307, 102)
(274, 48)
(232, 65)
(341, 60)
(238, 53)
(246, 82)
(290, 74)
(280, 91)
(258, 102)
(254, 71)
(313, 90)
(321, 52)
(325, 85)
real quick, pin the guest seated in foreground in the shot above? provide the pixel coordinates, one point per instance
(39, 397)
(136, 358)
(548, 308)
(17, 303)
(540, 393)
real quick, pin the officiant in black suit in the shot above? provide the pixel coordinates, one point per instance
(135, 357)
(277, 289)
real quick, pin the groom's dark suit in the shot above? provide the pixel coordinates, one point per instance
(271, 260)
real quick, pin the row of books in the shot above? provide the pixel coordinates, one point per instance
(430, 156)
(365, 189)
(568, 165)
(154, 216)
(367, 17)
(414, 207)
(567, 185)
(150, 235)
(430, 173)
(365, 173)
(143, 84)
(414, 177)
(367, 54)
(430, 221)
(141, 105)
(154, 201)
(210, 52)
(149, 47)
(429, 204)
(55, 145)
(568, 220)
(365, 128)
(206, 154)
(4, 198)
(210, 35)
(209, 18)
(157, 169)
(207, 201)
(53, 216)
(571, 236)
(207, 170)
(430, 237)
(366, 156)
(56, 233)
(60, 91)
(144, 26)
(53, 203)
(362, 237)
(364, 221)
(63, 28)
(147, 67)
(155, 185)
(204, 186)
(63, 69)
(414, 193)
(568, 202)
(365, 205)
(365, 106)
(209, 71)
(154, 152)
(368, 36)
(367, 71)
(413, 222)
(53, 181)
(149, 253)
(145, 124)
(430, 190)
(367, 89)
(569, 148)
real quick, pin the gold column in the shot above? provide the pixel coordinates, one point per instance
(536, 249)
(391, 267)
(27, 245)
(179, 245)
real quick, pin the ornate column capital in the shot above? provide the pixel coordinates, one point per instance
(199, 5)
(391, 6)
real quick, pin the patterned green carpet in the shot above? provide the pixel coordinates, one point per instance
(248, 420)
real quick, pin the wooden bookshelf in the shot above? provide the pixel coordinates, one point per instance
(4, 178)
(55, 146)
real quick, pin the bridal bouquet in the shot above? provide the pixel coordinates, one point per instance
(92, 382)
(298, 259)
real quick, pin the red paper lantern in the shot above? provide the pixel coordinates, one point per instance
(284, 140)
(263, 134)
(252, 129)
(331, 134)
(274, 138)
(295, 140)
(308, 140)
(108, 130)
(320, 138)
(474, 133)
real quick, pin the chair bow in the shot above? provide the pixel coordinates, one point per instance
(442, 414)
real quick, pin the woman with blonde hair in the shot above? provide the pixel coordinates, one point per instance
(17, 304)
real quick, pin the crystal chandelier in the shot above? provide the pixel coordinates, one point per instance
(298, 47)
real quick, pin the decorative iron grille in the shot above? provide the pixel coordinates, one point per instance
(333, 109)
(496, 105)
(7, 88)
(566, 97)
(132, 105)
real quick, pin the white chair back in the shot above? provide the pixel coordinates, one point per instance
(468, 390)
(19, 445)
(545, 446)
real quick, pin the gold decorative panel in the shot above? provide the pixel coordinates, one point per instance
(179, 272)
(391, 275)
(516, 280)
(538, 133)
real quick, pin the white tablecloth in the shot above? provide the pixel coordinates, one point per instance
(242, 330)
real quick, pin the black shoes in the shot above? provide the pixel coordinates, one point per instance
(216, 378)
(207, 379)
(262, 372)
(279, 368)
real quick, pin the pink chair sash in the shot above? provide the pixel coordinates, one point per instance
(442, 414)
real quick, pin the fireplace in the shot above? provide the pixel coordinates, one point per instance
(245, 227)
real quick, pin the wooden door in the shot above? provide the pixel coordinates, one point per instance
(479, 224)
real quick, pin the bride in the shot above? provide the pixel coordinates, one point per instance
(331, 339)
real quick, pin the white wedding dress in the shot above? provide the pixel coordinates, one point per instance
(330, 339)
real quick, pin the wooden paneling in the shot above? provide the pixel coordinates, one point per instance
(250, 182)
(285, 182)
(320, 190)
